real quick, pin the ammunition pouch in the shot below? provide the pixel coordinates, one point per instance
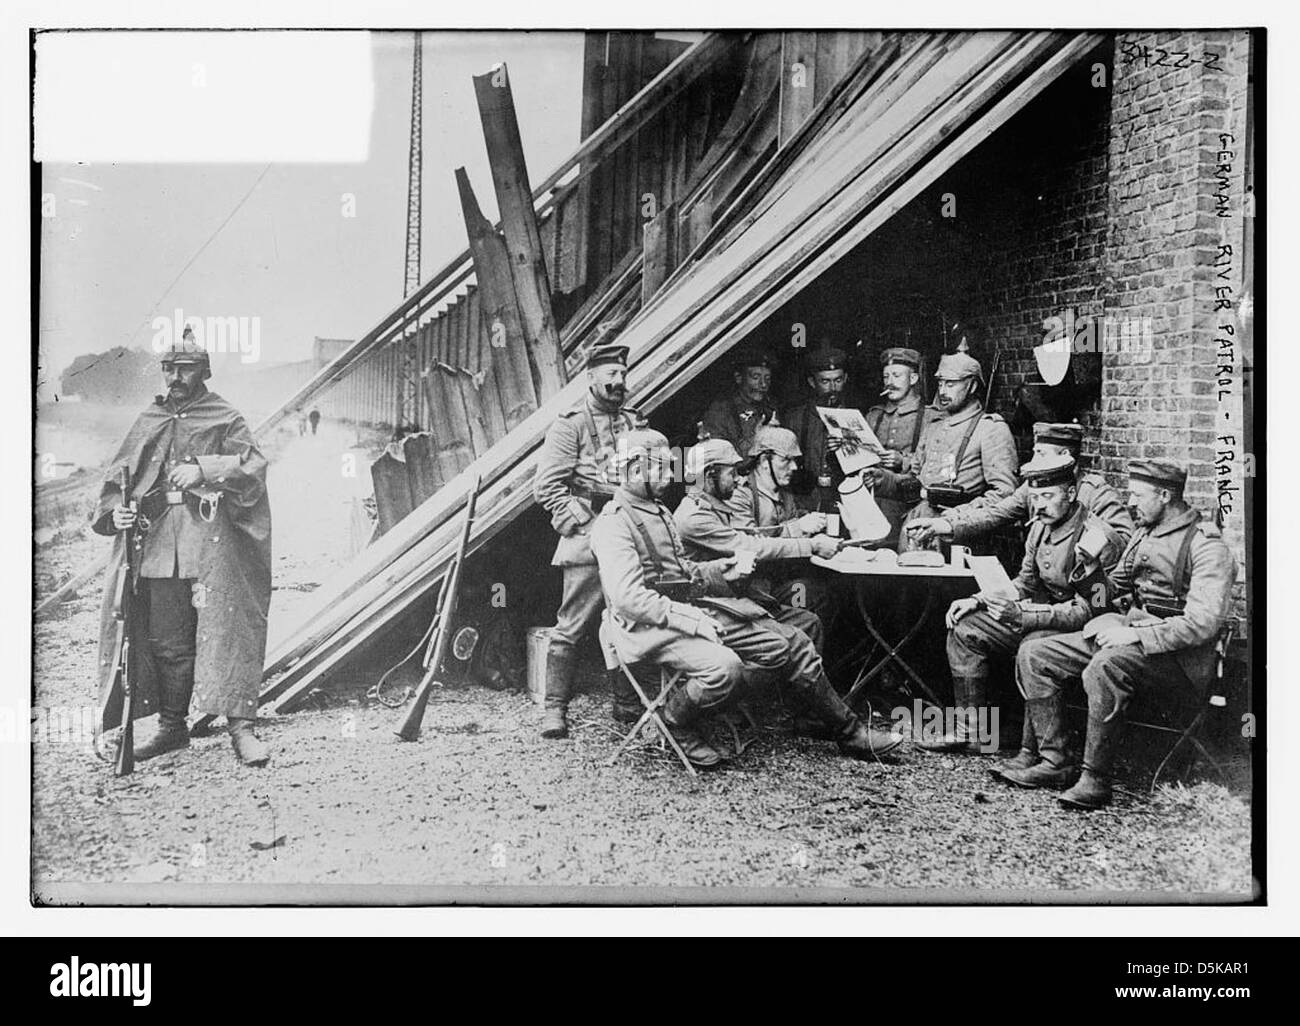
(943, 496)
(1163, 610)
(677, 589)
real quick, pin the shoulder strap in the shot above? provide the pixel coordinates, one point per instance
(879, 411)
(1183, 564)
(1075, 535)
(965, 441)
(916, 431)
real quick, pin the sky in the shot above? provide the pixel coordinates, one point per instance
(119, 231)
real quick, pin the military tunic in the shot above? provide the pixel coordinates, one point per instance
(736, 419)
(636, 544)
(1050, 600)
(987, 462)
(817, 462)
(712, 528)
(898, 426)
(1175, 651)
(970, 521)
(575, 476)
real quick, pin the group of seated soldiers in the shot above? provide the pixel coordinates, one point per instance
(1124, 596)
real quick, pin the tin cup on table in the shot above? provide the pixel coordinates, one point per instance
(833, 524)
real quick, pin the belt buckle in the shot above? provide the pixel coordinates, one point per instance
(175, 498)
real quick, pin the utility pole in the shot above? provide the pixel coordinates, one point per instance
(408, 399)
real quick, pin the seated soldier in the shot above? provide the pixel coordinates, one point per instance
(708, 527)
(1066, 548)
(1173, 584)
(764, 504)
(965, 523)
(666, 609)
(738, 414)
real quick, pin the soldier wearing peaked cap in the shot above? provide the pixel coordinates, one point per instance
(964, 456)
(670, 610)
(897, 424)
(1171, 593)
(969, 521)
(198, 482)
(828, 381)
(737, 416)
(1066, 551)
(575, 478)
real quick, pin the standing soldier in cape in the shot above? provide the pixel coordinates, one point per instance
(965, 523)
(199, 483)
(965, 455)
(575, 478)
(737, 416)
(828, 378)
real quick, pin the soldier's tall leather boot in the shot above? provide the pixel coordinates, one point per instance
(968, 695)
(853, 737)
(1028, 754)
(1093, 790)
(175, 683)
(680, 714)
(250, 749)
(1055, 766)
(559, 685)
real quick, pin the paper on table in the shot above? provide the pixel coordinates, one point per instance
(845, 421)
(990, 576)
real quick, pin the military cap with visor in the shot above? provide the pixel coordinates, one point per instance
(1059, 434)
(1162, 473)
(901, 355)
(826, 358)
(1045, 471)
(607, 352)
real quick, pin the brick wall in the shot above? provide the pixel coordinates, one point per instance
(1040, 237)
(1163, 258)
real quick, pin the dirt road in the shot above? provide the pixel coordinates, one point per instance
(482, 800)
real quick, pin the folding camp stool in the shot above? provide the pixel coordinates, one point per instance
(1193, 732)
(668, 679)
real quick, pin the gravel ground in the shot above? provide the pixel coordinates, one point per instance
(482, 800)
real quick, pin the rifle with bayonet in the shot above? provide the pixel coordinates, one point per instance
(439, 642)
(123, 613)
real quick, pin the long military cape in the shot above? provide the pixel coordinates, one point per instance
(235, 562)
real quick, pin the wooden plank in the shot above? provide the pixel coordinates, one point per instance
(658, 251)
(474, 354)
(480, 440)
(451, 439)
(422, 470)
(519, 223)
(392, 490)
(499, 310)
(667, 353)
(798, 88)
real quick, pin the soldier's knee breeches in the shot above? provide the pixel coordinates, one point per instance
(1105, 681)
(968, 650)
(713, 679)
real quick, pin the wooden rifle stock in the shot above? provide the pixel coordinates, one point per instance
(124, 762)
(441, 640)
